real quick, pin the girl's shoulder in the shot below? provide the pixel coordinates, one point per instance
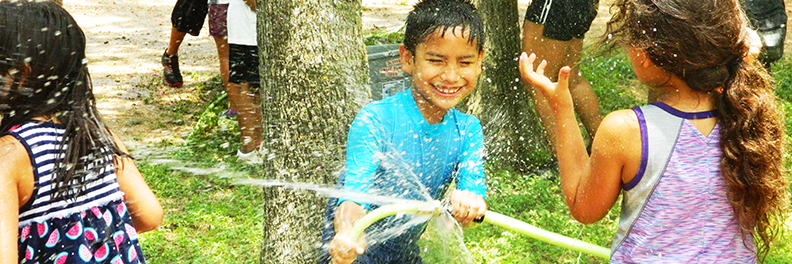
(623, 121)
(13, 154)
(11, 147)
(618, 141)
(619, 134)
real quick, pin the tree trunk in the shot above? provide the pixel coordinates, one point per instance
(514, 136)
(313, 80)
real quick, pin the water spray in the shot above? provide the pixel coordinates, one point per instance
(435, 208)
(396, 206)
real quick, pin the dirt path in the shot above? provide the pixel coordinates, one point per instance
(126, 39)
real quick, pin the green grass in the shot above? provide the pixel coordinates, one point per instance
(207, 219)
(538, 201)
(210, 220)
(613, 81)
(379, 37)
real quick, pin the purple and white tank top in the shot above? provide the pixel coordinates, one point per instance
(676, 210)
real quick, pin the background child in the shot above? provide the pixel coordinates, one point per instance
(187, 17)
(69, 192)
(243, 81)
(701, 170)
(554, 31)
(218, 29)
(420, 129)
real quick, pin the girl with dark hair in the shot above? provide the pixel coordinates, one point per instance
(69, 192)
(701, 170)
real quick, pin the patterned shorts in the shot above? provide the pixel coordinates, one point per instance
(218, 14)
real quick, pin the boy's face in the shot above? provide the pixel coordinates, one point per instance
(444, 70)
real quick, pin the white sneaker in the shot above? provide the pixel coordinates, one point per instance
(251, 158)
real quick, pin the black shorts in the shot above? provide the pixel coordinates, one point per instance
(243, 64)
(563, 19)
(189, 15)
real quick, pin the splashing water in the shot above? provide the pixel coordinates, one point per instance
(442, 239)
(441, 242)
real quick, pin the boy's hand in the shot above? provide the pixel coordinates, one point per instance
(344, 251)
(556, 93)
(467, 206)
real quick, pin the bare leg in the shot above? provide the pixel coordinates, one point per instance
(558, 54)
(246, 101)
(176, 39)
(586, 104)
(552, 51)
(222, 54)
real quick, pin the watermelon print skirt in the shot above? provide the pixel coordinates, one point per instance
(101, 234)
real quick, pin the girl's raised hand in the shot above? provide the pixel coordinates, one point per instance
(556, 93)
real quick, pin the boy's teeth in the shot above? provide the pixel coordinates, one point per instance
(448, 91)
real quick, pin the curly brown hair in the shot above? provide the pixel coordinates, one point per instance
(703, 42)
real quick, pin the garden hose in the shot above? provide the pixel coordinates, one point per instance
(435, 209)
(426, 208)
(546, 236)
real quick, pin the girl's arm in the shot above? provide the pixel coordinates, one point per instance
(144, 207)
(591, 185)
(13, 161)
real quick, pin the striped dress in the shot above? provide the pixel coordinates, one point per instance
(675, 210)
(93, 227)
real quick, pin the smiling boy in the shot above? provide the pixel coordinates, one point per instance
(418, 129)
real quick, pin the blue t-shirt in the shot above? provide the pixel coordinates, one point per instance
(391, 148)
(392, 151)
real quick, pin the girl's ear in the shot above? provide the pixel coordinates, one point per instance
(15, 74)
(406, 58)
(20, 74)
(26, 70)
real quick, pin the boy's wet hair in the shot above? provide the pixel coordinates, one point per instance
(430, 15)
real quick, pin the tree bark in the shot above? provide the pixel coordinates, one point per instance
(313, 80)
(514, 137)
